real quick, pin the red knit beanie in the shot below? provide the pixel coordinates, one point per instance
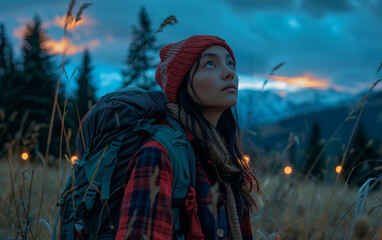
(178, 58)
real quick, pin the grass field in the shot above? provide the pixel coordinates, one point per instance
(292, 208)
(20, 200)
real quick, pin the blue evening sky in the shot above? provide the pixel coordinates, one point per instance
(326, 44)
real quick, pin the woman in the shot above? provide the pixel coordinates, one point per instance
(199, 79)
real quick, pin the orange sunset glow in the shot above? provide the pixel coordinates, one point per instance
(72, 24)
(19, 32)
(306, 81)
(64, 45)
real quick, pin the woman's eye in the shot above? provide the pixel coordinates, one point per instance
(209, 64)
(231, 64)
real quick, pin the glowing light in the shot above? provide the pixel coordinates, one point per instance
(24, 156)
(247, 159)
(306, 81)
(71, 22)
(19, 32)
(64, 45)
(74, 159)
(288, 170)
(338, 169)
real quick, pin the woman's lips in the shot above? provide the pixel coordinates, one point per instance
(230, 87)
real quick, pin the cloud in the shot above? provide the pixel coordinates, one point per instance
(110, 79)
(306, 81)
(375, 7)
(63, 45)
(71, 23)
(58, 21)
(19, 32)
(316, 8)
(109, 38)
(258, 5)
(15, 7)
(328, 39)
(322, 7)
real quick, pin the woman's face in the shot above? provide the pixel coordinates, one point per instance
(215, 82)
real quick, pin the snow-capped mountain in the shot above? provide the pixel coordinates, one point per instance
(257, 108)
(332, 119)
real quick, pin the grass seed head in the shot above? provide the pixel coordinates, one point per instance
(171, 20)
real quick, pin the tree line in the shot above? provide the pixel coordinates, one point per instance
(28, 88)
(358, 163)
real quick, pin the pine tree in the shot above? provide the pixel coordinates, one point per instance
(361, 149)
(313, 151)
(6, 69)
(7, 74)
(37, 85)
(85, 94)
(138, 60)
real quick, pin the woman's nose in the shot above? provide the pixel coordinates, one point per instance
(228, 73)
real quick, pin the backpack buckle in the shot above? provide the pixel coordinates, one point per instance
(89, 197)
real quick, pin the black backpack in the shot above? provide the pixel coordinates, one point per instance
(112, 131)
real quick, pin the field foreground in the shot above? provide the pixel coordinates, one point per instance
(290, 208)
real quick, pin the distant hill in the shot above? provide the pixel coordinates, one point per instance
(276, 134)
(272, 106)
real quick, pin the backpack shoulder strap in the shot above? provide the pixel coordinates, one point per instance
(180, 152)
(190, 161)
(178, 200)
(182, 159)
(99, 171)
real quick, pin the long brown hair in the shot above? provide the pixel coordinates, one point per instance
(227, 127)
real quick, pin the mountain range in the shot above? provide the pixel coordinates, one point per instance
(274, 117)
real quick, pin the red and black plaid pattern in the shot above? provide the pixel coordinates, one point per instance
(138, 218)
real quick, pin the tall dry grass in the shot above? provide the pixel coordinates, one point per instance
(294, 208)
(298, 208)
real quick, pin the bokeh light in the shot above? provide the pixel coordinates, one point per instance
(288, 170)
(247, 159)
(338, 169)
(24, 156)
(74, 159)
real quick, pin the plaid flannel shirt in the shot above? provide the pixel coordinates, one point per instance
(138, 218)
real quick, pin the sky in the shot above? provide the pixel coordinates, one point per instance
(325, 44)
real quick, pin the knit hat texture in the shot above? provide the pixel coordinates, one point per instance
(178, 58)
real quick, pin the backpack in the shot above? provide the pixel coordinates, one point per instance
(91, 201)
